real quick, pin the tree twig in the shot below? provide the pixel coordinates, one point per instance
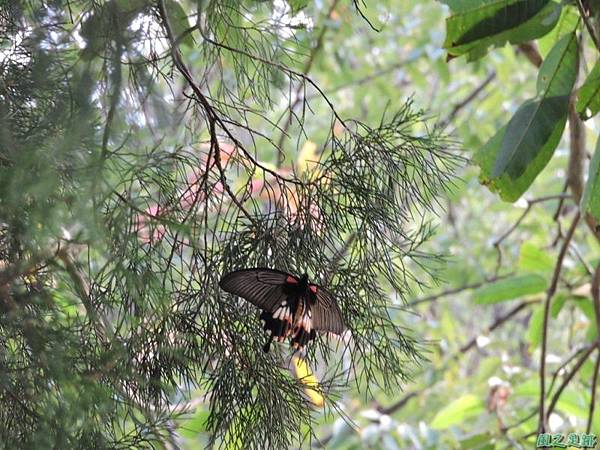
(398, 405)
(514, 226)
(588, 25)
(297, 98)
(82, 287)
(529, 49)
(459, 289)
(549, 295)
(497, 323)
(576, 152)
(593, 393)
(568, 379)
(468, 99)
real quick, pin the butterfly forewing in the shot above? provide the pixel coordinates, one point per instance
(261, 287)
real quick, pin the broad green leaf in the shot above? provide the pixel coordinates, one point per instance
(507, 188)
(557, 305)
(457, 411)
(476, 441)
(534, 259)
(179, 22)
(586, 306)
(588, 96)
(567, 23)
(510, 288)
(529, 388)
(534, 333)
(475, 26)
(535, 122)
(559, 70)
(511, 160)
(570, 402)
(590, 201)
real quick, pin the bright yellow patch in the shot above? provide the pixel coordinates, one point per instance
(308, 157)
(307, 378)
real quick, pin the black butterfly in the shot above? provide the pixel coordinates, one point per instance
(292, 307)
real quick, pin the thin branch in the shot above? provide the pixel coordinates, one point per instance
(462, 351)
(101, 323)
(530, 203)
(549, 295)
(588, 25)
(568, 378)
(497, 323)
(459, 289)
(593, 393)
(366, 19)
(337, 258)
(596, 295)
(556, 215)
(21, 268)
(284, 69)
(529, 49)
(576, 152)
(297, 98)
(468, 99)
(566, 362)
(398, 405)
(525, 213)
(205, 104)
(211, 114)
(370, 77)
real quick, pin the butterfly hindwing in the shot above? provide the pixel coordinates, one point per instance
(326, 314)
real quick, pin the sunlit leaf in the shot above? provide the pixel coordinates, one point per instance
(588, 95)
(567, 22)
(534, 333)
(558, 302)
(475, 26)
(590, 201)
(536, 121)
(532, 258)
(457, 411)
(476, 441)
(510, 288)
(512, 159)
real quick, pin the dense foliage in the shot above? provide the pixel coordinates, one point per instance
(139, 166)
(146, 148)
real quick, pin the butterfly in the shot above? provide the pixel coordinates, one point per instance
(291, 306)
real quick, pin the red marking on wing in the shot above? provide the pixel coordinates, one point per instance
(291, 280)
(313, 288)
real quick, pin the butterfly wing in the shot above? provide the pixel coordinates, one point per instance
(264, 288)
(326, 314)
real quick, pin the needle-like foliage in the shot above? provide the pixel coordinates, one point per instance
(136, 149)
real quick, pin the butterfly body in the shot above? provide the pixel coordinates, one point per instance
(292, 307)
